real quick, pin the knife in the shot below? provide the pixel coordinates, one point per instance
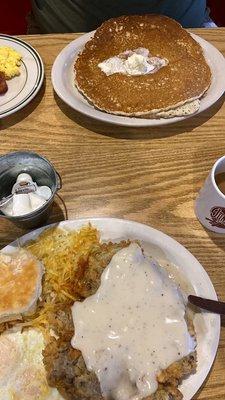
(217, 307)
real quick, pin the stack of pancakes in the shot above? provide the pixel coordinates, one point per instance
(174, 90)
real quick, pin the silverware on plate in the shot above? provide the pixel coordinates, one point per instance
(216, 307)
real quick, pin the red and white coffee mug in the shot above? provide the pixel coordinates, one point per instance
(210, 203)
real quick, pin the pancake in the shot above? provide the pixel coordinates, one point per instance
(184, 79)
(186, 109)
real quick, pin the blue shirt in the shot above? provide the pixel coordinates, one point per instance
(86, 15)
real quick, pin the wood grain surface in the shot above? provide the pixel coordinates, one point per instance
(147, 175)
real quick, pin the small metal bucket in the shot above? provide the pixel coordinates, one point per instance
(41, 171)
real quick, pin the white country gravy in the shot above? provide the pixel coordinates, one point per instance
(132, 327)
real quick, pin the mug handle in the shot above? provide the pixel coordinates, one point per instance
(59, 181)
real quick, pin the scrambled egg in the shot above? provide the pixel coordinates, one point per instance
(10, 61)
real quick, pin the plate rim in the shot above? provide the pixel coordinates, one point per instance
(118, 119)
(161, 237)
(39, 80)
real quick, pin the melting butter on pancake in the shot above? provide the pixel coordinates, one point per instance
(184, 79)
(137, 62)
(20, 284)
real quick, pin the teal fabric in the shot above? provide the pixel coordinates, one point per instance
(85, 15)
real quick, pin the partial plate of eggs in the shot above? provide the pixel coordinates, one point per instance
(23, 69)
(10, 61)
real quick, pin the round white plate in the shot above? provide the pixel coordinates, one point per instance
(23, 88)
(63, 83)
(165, 248)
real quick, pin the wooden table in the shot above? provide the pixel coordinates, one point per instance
(147, 175)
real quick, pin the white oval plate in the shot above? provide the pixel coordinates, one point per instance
(63, 83)
(207, 325)
(23, 88)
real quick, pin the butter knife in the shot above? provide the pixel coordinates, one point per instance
(216, 307)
